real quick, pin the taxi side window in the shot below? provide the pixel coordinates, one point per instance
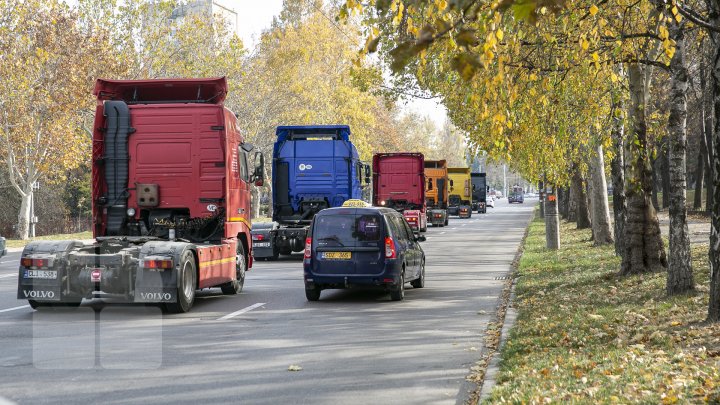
(392, 225)
(402, 233)
(409, 231)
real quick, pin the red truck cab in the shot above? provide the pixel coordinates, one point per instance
(399, 183)
(171, 178)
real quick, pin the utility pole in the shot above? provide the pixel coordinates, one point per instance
(552, 220)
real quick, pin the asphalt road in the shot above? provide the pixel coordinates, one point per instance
(354, 347)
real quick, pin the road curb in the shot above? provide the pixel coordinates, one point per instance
(479, 383)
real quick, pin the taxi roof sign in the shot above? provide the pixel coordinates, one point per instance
(355, 203)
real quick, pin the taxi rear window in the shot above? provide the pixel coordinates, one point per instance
(347, 230)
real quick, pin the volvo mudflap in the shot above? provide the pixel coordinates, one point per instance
(130, 270)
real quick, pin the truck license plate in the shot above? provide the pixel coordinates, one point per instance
(337, 255)
(44, 274)
(261, 244)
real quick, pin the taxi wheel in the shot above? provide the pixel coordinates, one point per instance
(312, 294)
(420, 281)
(399, 293)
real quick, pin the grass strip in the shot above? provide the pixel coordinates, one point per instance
(585, 335)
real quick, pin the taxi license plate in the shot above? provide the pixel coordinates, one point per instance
(44, 274)
(261, 244)
(337, 255)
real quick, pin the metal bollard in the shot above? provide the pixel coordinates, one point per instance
(552, 222)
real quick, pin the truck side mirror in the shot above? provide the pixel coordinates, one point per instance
(259, 173)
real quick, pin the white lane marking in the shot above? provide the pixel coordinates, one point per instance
(452, 229)
(242, 311)
(442, 232)
(14, 309)
(8, 275)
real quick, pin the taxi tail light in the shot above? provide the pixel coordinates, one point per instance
(28, 262)
(390, 248)
(158, 264)
(258, 237)
(308, 248)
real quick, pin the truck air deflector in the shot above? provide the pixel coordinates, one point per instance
(163, 91)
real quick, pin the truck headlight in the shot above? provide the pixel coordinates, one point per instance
(131, 212)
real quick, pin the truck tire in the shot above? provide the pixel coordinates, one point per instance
(186, 287)
(399, 293)
(235, 286)
(447, 221)
(285, 251)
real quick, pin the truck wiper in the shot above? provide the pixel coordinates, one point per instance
(334, 238)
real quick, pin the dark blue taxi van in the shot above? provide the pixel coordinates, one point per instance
(362, 247)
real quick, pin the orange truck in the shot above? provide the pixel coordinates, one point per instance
(436, 192)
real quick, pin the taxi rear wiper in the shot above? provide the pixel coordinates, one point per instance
(334, 238)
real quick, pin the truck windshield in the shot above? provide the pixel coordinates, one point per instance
(347, 230)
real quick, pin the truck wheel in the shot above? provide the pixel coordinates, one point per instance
(285, 251)
(446, 221)
(186, 288)
(312, 294)
(420, 281)
(399, 293)
(236, 285)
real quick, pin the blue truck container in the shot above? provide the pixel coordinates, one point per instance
(314, 167)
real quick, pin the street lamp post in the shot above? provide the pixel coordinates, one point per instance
(33, 218)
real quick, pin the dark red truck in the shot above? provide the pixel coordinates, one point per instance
(399, 183)
(171, 201)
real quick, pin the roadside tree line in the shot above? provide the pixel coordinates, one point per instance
(303, 70)
(570, 91)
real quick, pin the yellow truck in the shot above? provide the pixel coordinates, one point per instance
(436, 192)
(460, 200)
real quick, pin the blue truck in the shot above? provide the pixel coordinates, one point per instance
(314, 167)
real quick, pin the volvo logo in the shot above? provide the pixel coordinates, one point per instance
(212, 207)
(39, 294)
(303, 166)
(156, 296)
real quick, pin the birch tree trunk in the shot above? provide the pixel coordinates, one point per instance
(680, 273)
(572, 203)
(643, 246)
(602, 232)
(700, 173)
(618, 168)
(582, 210)
(563, 201)
(23, 224)
(713, 150)
(709, 112)
(665, 171)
